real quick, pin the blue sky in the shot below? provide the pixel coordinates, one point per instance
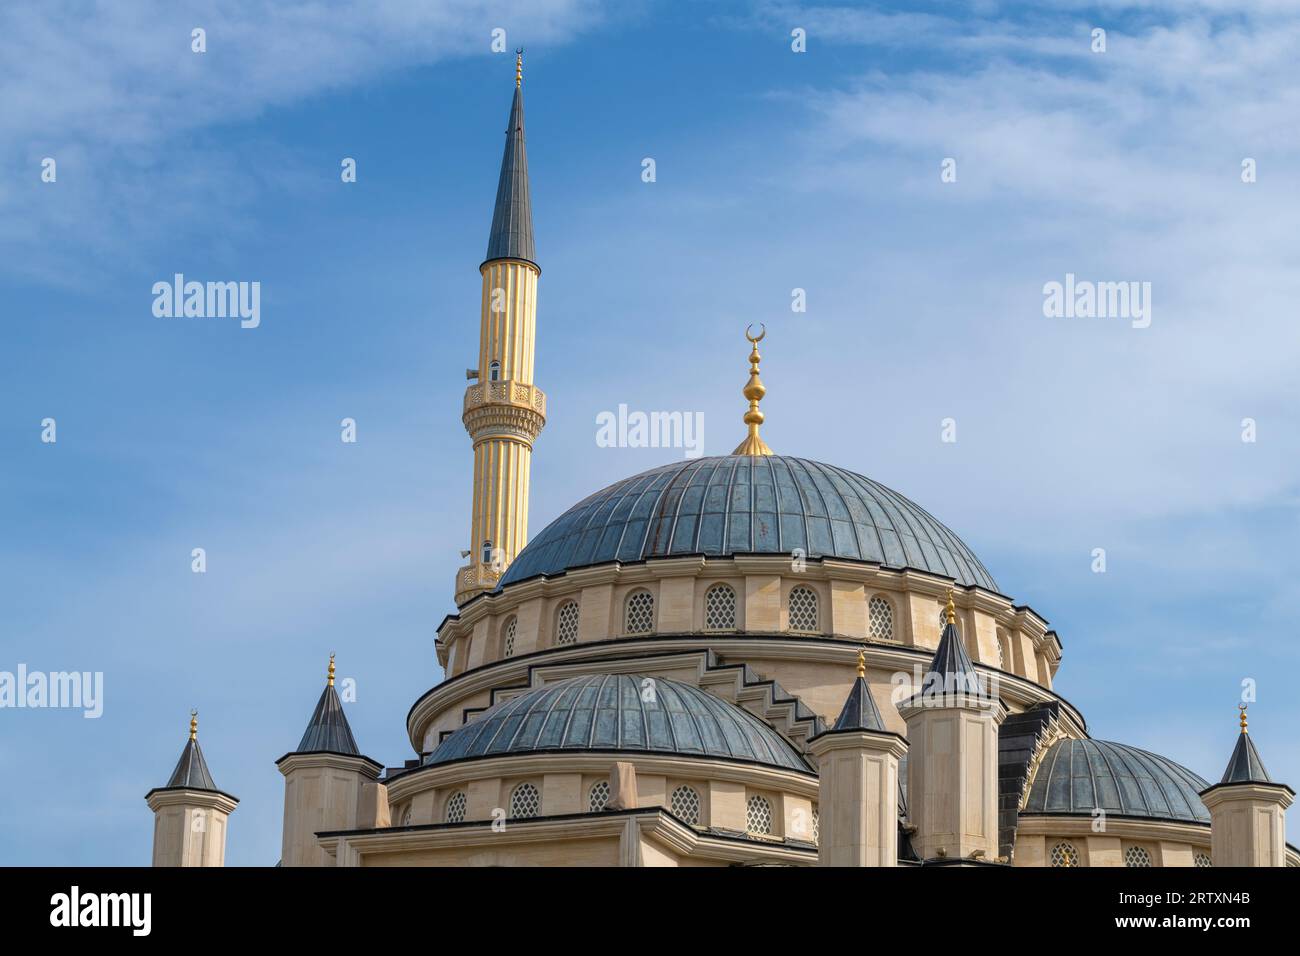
(775, 171)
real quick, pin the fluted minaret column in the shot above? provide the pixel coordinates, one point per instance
(504, 411)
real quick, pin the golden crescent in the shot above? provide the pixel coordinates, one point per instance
(761, 335)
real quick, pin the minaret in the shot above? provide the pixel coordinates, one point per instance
(857, 769)
(1247, 810)
(504, 411)
(190, 813)
(328, 784)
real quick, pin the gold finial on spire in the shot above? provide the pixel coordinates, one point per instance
(331, 670)
(519, 67)
(862, 662)
(1242, 708)
(754, 391)
(951, 609)
(194, 725)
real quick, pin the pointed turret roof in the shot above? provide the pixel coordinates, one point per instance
(951, 670)
(191, 771)
(512, 219)
(859, 711)
(328, 730)
(1245, 766)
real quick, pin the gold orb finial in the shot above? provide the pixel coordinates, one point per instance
(1242, 708)
(862, 662)
(951, 609)
(519, 67)
(194, 725)
(754, 391)
(331, 674)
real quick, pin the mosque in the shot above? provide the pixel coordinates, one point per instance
(749, 659)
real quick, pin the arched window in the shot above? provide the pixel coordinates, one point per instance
(494, 372)
(1004, 650)
(525, 802)
(566, 623)
(803, 610)
(508, 637)
(880, 617)
(455, 812)
(758, 815)
(598, 799)
(487, 552)
(1137, 856)
(1203, 859)
(817, 824)
(685, 805)
(639, 613)
(1064, 854)
(720, 608)
(406, 816)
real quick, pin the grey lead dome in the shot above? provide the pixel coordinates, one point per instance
(736, 504)
(612, 712)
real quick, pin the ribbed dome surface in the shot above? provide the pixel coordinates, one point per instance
(620, 712)
(1077, 776)
(737, 504)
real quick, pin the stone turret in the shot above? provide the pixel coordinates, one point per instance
(1247, 810)
(328, 784)
(190, 813)
(857, 763)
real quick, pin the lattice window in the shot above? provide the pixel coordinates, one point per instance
(598, 799)
(881, 615)
(406, 817)
(1137, 856)
(720, 608)
(640, 613)
(566, 623)
(1203, 859)
(508, 638)
(685, 805)
(1064, 854)
(456, 807)
(525, 802)
(1002, 653)
(803, 609)
(817, 824)
(758, 815)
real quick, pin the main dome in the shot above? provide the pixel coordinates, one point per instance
(614, 712)
(738, 504)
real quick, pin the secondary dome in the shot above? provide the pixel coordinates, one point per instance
(615, 712)
(1077, 776)
(736, 504)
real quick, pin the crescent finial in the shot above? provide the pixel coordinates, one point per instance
(761, 335)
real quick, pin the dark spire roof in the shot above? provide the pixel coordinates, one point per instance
(859, 711)
(512, 219)
(1245, 765)
(951, 670)
(191, 771)
(328, 730)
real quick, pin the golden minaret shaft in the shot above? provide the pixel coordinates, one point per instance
(504, 411)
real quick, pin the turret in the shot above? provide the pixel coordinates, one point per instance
(857, 765)
(328, 784)
(1247, 810)
(952, 772)
(504, 411)
(190, 813)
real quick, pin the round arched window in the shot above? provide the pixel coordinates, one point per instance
(1137, 856)
(508, 637)
(598, 799)
(803, 610)
(685, 805)
(566, 623)
(720, 608)
(1064, 854)
(758, 815)
(880, 615)
(525, 802)
(455, 807)
(639, 613)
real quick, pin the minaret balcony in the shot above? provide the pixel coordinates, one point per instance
(505, 407)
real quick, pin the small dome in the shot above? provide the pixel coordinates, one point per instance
(737, 504)
(627, 712)
(1077, 776)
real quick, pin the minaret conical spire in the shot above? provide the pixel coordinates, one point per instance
(191, 771)
(328, 731)
(512, 217)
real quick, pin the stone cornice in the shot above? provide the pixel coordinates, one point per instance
(1137, 828)
(334, 761)
(185, 797)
